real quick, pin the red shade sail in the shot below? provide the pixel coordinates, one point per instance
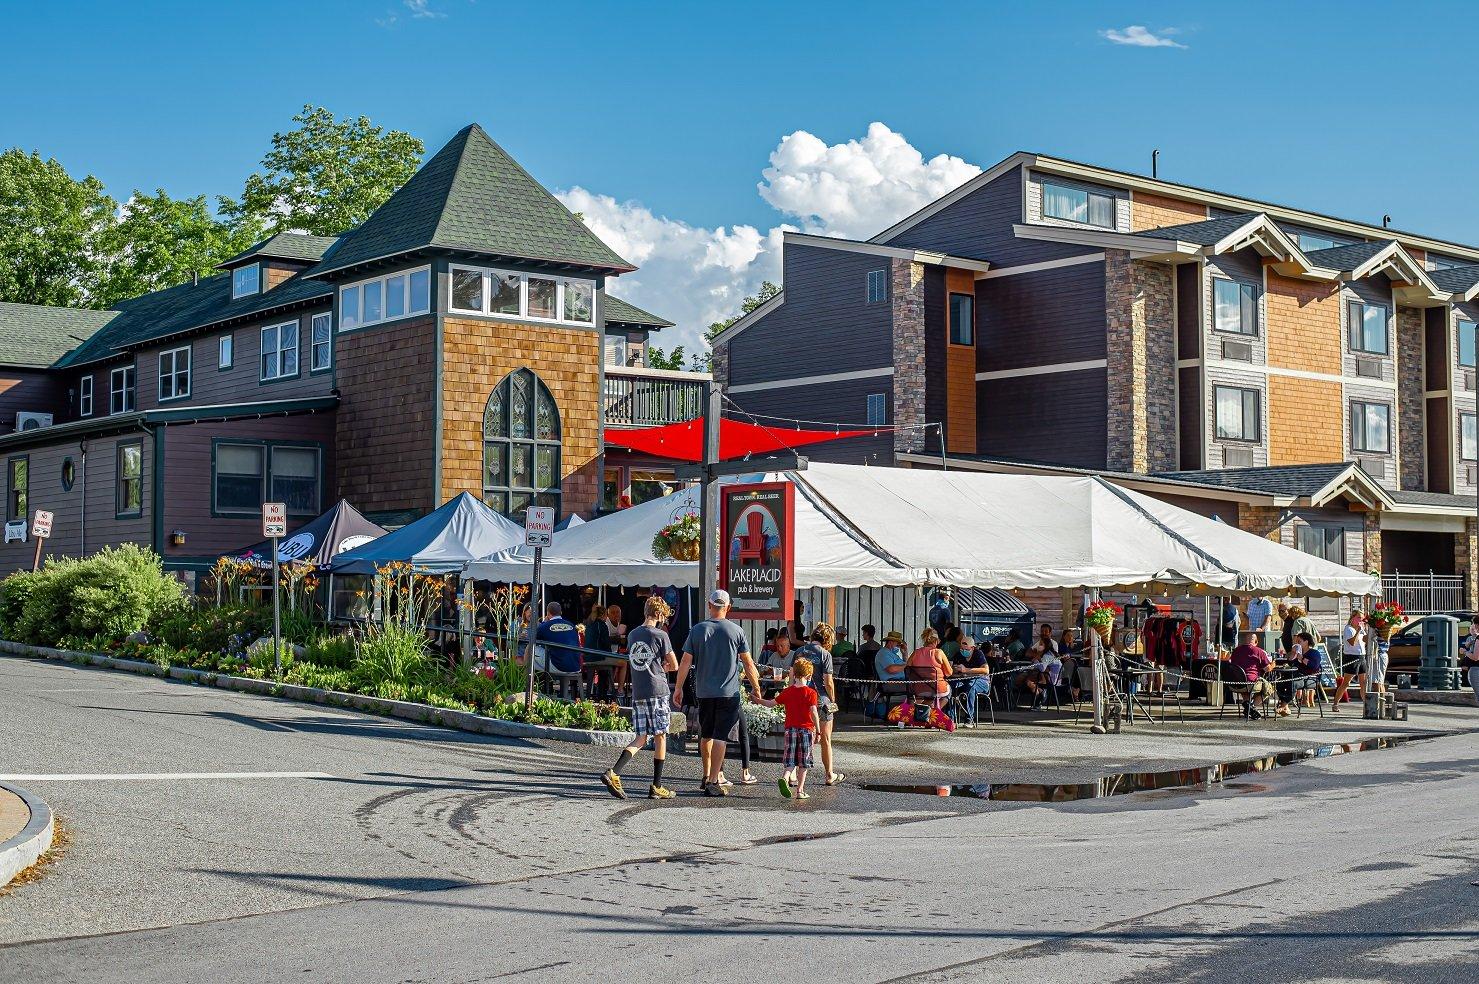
(685, 441)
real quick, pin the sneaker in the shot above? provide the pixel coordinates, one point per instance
(656, 792)
(612, 782)
(714, 789)
(785, 785)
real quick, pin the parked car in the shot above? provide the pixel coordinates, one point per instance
(1405, 656)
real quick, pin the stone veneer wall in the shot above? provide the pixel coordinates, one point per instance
(1411, 432)
(1466, 558)
(906, 302)
(1141, 343)
(1260, 520)
(719, 366)
(1371, 541)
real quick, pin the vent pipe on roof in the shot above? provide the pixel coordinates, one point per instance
(1386, 221)
(1155, 159)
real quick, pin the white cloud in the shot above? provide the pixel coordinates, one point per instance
(695, 275)
(1137, 36)
(422, 8)
(858, 188)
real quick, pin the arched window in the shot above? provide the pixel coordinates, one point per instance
(521, 445)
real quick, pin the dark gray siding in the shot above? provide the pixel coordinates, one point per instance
(1189, 393)
(1057, 418)
(844, 402)
(30, 389)
(825, 324)
(1041, 318)
(980, 226)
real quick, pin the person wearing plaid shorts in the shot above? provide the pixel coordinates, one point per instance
(650, 653)
(802, 722)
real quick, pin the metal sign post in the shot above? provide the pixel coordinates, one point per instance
(539, 532)
(40, 531)
(275, 526)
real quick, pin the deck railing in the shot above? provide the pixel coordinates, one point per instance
(638, 397)
(1424, 594)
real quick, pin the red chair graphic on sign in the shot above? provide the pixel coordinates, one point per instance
(752, 543)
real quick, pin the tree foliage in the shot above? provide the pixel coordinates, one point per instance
(766, 292)
(51, 226)
(161, 241)
(325, 176)
(658, 359)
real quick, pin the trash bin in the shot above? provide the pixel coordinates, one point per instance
(1439, 667)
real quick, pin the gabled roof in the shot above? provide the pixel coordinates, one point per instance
(472, 196)
(619, 312)
(1347, 257)
(37, 335)
(1319, 483)
(299, 246)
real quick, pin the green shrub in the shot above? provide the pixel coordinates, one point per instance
(225, 629)
(331, 651)
(393, 655)
(115, 592)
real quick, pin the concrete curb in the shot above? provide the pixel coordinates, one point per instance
(1452, 698)
(405, 710)
(34, 840)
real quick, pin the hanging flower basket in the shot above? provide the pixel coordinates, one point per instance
(1386, 618)
(1101, 616)
(678, 540)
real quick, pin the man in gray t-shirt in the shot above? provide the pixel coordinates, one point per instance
(648, 650)
(715, 651)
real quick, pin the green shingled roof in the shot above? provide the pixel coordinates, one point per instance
(473, 196)
(285, 246)
(619, 312)
(35, 335)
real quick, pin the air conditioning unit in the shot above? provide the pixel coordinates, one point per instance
(1235, 351)
(31, 420)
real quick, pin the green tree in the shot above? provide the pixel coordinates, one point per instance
(161, 241)
(658, 359)
(704, 363)
(325, 176)
(51, 226)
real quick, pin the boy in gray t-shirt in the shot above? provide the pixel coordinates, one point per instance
(650, 652)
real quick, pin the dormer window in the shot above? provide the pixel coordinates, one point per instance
(246, 280)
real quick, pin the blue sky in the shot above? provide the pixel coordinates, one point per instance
(667, 114)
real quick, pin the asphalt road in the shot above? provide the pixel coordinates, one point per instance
(226, 837)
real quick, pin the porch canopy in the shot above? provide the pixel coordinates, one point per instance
(442, 541)
(317, 541)
(862, 526)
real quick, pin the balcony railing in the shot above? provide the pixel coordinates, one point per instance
(1424, 594)
(637, 397)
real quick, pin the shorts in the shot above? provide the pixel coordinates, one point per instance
(719, 717)
(825, 710)
(798, 748)
(652, 715)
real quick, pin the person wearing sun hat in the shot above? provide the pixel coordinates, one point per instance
(888, 662)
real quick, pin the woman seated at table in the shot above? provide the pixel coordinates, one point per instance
(928, 670)
(1306, 659)
(972, 664)
(1069, 652)
(1046, 671)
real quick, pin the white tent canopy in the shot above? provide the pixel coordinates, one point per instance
(860, 526)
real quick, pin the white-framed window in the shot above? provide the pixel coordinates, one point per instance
(174, 374)
(1234, 307)
(84, 396)
(1468, 442)
(396, 295)
(279, 351)
(877, 286)
(121, 390)
(877, 409)
(322, 355)
(1366, 325)
(226, 351)
(566, 300)
(1371, 427)
(246, 280)
(1238, 414)
(1310, 242)
(1466, 342)
(1071, 204)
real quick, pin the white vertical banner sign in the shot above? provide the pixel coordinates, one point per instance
(539, 532)
(274, 528)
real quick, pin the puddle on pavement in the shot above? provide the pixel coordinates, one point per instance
(1119, 784)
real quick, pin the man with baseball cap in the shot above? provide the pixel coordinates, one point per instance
(715, 650)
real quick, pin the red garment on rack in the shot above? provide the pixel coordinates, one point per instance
(1171, 641)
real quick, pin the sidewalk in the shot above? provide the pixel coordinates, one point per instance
(26, 829)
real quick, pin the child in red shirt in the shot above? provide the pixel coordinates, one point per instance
(800, 702)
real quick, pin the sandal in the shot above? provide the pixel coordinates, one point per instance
(748, 780)
(835, 779)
